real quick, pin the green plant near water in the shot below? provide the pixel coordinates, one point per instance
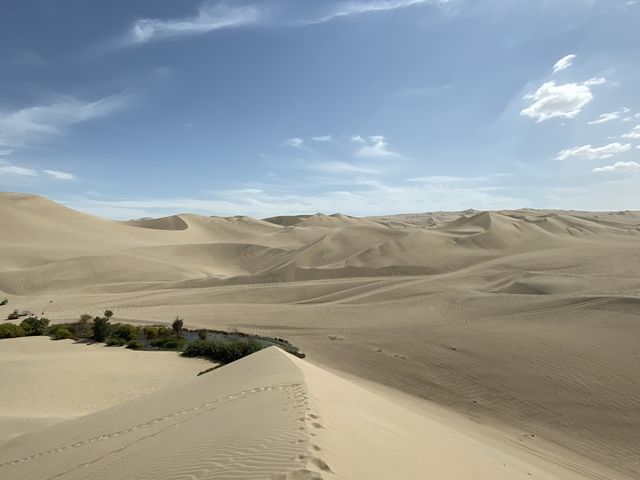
(223, 351)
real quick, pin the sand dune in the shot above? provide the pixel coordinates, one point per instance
(524, 322)
(267, 416)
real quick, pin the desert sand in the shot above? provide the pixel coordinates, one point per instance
(440, 345)
(46, 382)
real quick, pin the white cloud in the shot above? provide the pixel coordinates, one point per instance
(322, 138)
(634, 134)
(20, 127)
(563, 63)
(7, 152)
(443, 179)
(607, 117)
(373, 146)
(592, 82)
(594, 153)
(60, 175)
(7, 168)
(293, 142)
(211, 16)
(359, 7)
(343, 167)
(619, 167)
(559, 101)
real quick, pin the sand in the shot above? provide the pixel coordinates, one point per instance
(268, 416)
(518, 331)
(46, 382)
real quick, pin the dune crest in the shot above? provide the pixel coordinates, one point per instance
(268, 416)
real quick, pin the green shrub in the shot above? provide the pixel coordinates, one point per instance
(150, 332)
(202, 334)
(224, 352)
(84, 318)
(4, 302)
(11, 330)
(164, 331)
(101, 328)
(135, 345)
(34, 326)
(125, 331)
(59, 332)
(114, 342)
(169, 343)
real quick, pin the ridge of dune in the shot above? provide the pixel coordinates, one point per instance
(173, 222)
(269, 416)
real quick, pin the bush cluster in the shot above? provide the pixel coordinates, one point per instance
(59, 332)
(135, 345)
(11, 330)
(169, 343)
(125, 331)
(34, 326)
(224, 352)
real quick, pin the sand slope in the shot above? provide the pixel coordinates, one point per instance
(268, 416)
(46, 382)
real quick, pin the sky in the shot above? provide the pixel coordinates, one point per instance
(145, 108)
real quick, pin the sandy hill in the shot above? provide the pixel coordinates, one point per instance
(268, 416)
(49, 248)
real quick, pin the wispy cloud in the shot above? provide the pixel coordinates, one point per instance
(359, 7)
(559, 101)
(633, 134)
(336, 167)
(6, 152)
(373, 146)
(564, 63)
(210, 16)
(608, 117)
(619, 167)
(594, 153)
(21, 127)
(7, 168)
(322, 138)
(60, 175)
(293, 142)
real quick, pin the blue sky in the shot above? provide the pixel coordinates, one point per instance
(138, 108)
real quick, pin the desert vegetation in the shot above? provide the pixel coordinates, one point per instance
(216, 345)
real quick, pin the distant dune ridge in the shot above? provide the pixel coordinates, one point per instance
(43, 237)
(524, 324)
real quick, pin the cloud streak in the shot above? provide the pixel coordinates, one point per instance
(350, 8)
(58, 175)
(619, 167)
(564, 63)
(21, 127)
(588, 152)
(211, 16)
